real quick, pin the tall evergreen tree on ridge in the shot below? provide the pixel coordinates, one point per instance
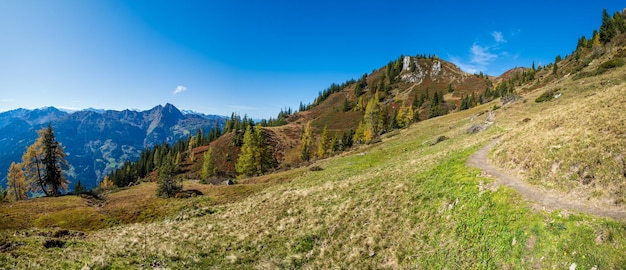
(53, 161)
(607, 29)
(42, 164)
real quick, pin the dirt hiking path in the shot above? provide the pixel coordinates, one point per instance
(548, 200)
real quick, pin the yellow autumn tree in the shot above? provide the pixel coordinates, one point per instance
(208, 165)
(410, 115)
(358, 134)
(372, 121)
(42, 164)
(106, 182)
(16, 186)
(401, 116)
(324, 144)
(32, 166)
(305, 143)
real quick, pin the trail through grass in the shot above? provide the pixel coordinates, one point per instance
(398, 204)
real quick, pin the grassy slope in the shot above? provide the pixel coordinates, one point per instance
(398, 204)
(574, 144)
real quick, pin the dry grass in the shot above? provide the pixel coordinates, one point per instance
(574, 144)
(402, 203)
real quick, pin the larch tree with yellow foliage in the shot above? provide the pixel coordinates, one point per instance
(324, 146)
(306, 143)
(43, 162)
(17, 189)
(372, 121)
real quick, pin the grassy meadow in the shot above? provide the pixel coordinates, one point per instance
(400, 203)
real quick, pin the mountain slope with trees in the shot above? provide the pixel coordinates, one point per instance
(96, 143)
(400, 196)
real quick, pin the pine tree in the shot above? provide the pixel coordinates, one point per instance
(305, 143)
(53, 160)
(619, 23)
(16, 184)
(263, 155)
(78, 188)
(393, 123)
(167, 185)
(246, 164)
(208, 165)
(607, 29)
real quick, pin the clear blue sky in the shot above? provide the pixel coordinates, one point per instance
(255, 57)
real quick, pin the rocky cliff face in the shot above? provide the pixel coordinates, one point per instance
(97, 142)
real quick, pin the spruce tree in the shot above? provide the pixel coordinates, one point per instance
(78, 188)
(167, 185)
(607, 29)
(619, 23)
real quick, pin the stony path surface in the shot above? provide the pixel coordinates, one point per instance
(548, 200)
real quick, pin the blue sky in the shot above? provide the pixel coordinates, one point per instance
(256, 57)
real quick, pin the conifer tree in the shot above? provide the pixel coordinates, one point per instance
(208, 165)
(410, 115)
(167, 185)
(607, 29)
(16, 185)
(324, 146)
(42, 163)
(400, 116)
(191, 145)
(619, 23)
(305, 143)
(372, 121)
(79, 188)
(245, 165)
(359, 133)
(53, 160)
(393, 122)
(106, 182)
(33, 167)
(178, 159)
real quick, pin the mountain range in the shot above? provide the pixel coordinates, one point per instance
(97, 141)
